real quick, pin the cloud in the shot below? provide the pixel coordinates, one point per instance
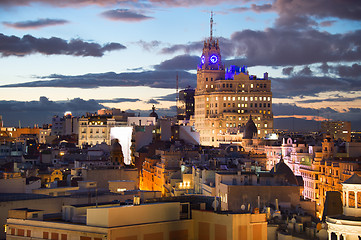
(353, 71)
(187, 48)
(327, 23)
(336, 99)
(64, 3)
(154, 79)
(297, 12)
(306, 71)
(170, 97)
(287, 70)
(254, 7)
(182, 62)
(282, 47)
(299, 85)
(125, 15)
(42, 111)
(44, 22)
(351, 114)
(152, 101)
(149, 46)
(15, 46)
(117, 100)
(277, 47)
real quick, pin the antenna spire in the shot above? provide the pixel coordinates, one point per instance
(177, 88)
(211, 23)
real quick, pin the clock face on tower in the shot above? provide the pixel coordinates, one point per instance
(213, 59)
(203, 59)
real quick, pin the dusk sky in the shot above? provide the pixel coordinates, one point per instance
(83, 55)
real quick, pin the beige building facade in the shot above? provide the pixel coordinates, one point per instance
(159, 221)
(226, 98)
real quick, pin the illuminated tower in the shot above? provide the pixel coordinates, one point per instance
(226, 98)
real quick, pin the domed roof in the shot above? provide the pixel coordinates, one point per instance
(116, 147)
(250, 129)
(153, 114)
(354, 179)
(281, 168)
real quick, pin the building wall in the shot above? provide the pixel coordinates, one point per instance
(337, 129)
(213, 226)
(103, 176)
(12, 185)
(233, 197)
(135, 215)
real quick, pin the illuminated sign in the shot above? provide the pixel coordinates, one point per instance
(214, 59)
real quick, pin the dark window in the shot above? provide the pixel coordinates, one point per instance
(21, 232)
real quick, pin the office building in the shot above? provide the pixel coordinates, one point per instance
(226, 98)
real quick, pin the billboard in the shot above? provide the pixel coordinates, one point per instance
(124, 135)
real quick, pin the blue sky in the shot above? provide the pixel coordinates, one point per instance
(126, 54)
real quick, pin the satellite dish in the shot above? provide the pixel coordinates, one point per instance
(243, 207)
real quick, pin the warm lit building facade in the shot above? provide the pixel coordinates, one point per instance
(347, 225)
(326, 173)
(157, 221)
(158, 173)
(337, 129)
(95, 130)
(225, 98)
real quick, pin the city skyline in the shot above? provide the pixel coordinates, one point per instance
(81, 56)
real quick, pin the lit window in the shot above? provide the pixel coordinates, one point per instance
(211, 86)
(255, 98)
(233, 98)
(259, 131)
(224, 98)
(229, 98)
(207, 99)
(242, 111)
(243, 85)
(239, 98)
(269, 98)
(239, 111)
(246, 105)
(246, 98)
(216, 98)
(239, 105)
(265, 131)
(206, 86)
(251, 85)
(251, 98)
(265, 125)
(242, 98)
(242, 104)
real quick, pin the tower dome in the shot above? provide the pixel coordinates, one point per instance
(116, 152)
(281, 168)
(250, 129)
(153, 114)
